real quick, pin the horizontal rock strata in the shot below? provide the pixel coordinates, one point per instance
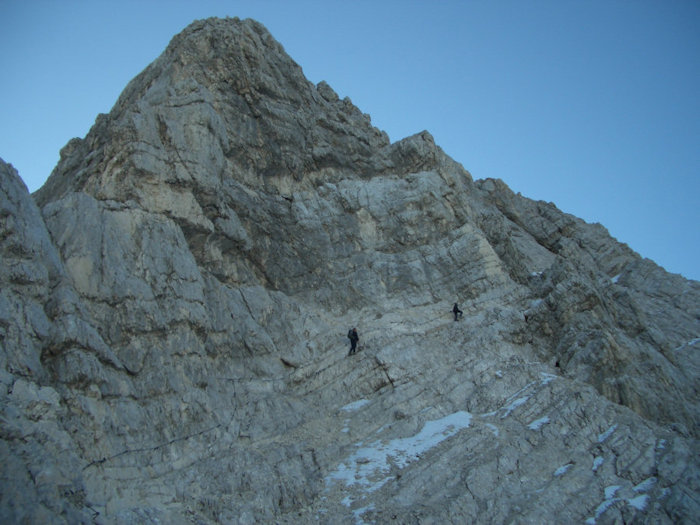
(175, 300)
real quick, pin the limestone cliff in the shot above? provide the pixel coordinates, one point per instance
(175, 302)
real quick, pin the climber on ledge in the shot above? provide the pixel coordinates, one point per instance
(458, 313)
(354, 338)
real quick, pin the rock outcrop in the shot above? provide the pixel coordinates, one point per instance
(175, 302)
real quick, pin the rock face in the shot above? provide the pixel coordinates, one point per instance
(175, 302)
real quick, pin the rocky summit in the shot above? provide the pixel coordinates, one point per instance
(175, 304)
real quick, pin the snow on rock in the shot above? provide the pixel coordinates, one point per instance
(611, 491)
(597, 462)
(493, 429)
(518, 399)
(640, 502)
(375, 460)
(688, 344)
(610, 499)
(238, 191)
(547, 378)
(563, 469)
(538, 423)
(355, 405)
(513, 405)
(646, 485)
(359, 512)
(605, 435)
(600, 510)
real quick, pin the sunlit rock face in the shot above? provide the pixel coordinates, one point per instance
(175, 303)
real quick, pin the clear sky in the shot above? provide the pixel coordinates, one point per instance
(593, 105)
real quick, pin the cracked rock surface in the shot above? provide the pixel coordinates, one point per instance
(174, 304)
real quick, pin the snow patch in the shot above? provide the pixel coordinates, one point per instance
(646, 485)
(605, 435)
(611, 491)
(689, 343)
(382, 428)
(369, 465)
(603, 507)
(597, 462)
(499, 374)
(515, 401)
(355, 405)
(512, 406)
(610, 499)
(538, 423)
(547, 378)
(616, 278)
(563, 469)
(640, 502)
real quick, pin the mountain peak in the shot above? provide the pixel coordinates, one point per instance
(175, 304)
(223, 101)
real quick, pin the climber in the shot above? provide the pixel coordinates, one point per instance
(458, 313)
(354, 338)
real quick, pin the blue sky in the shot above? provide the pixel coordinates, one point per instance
(593, 105)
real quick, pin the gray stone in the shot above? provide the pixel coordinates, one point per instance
(175, 302)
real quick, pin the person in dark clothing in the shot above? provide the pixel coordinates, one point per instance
(354, 338)
(458, 313)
